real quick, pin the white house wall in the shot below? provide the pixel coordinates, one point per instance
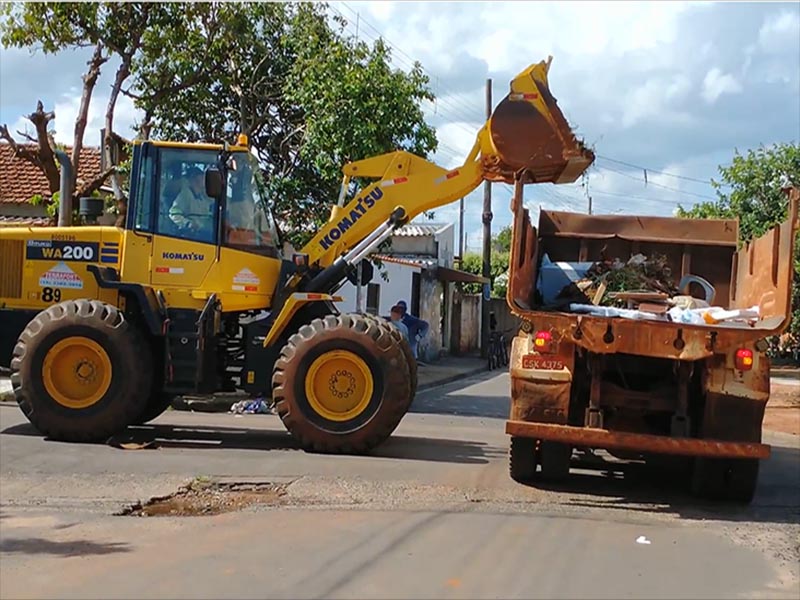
(398, 287)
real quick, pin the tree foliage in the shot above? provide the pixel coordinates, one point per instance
(498, 268)
(502, 241)
(111, 29)
(751, 189)
(309, 98)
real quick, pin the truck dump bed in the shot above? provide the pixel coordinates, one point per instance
(758, 274)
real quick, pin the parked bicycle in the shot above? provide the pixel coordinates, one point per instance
(498, 349)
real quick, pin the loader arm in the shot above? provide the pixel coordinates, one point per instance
(527, 138)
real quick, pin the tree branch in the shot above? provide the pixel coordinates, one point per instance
(92, 186)
(41, 120)
(89, 81)
(19, 151)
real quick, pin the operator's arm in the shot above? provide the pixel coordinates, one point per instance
(180, 208)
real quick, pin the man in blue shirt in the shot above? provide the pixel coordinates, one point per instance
(417, 328)
(397, 321)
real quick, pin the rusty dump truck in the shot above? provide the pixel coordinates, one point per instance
(646, 385)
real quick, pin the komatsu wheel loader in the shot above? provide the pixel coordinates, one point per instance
(102, 326)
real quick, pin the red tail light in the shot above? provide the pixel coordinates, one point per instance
(542, 342)
(744, 359)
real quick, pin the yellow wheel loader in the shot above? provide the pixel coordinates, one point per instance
(102, 326)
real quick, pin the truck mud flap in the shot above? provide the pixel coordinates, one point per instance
(655, 444)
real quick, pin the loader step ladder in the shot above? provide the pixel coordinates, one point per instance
(191, 348)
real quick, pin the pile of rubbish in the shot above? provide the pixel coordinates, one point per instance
(258, 406)
(605, 278)
(643, 288)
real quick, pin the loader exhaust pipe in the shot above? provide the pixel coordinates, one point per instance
(65, 190)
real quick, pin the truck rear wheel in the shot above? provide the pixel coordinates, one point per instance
(341, 384)
(78, 370)
(554, 458)
(733, 479)
(522, 459)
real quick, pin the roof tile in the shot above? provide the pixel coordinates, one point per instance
(20, 180)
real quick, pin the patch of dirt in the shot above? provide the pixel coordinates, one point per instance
(783, 409)
(205, 498)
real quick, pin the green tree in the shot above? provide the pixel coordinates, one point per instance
(498, 265)
(309, 97)
(112, 29)
(502, 241)
(750, 189)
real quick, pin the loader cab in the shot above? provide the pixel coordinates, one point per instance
(169, 198)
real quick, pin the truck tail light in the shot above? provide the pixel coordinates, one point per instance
(744, 359)
(542, 342)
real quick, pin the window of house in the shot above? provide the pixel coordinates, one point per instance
(373, 298)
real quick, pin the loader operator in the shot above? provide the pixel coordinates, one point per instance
(192, 209)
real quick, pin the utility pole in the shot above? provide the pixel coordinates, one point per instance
(461, 237)
(487, 242)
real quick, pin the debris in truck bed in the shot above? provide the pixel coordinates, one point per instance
(714, 315)
(640, 274)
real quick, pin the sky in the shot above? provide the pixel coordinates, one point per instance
(673, 88)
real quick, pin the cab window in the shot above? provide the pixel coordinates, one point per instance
(184, 209)
(248, 224)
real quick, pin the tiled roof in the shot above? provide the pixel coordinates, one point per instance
(420, 229)
(19, 179)
(422, 262)
(24, 221)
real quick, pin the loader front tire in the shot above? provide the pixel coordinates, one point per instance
(404, 346)
(78, 371)
(341, 384)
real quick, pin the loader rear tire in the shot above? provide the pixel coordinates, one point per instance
(522, 459)
(78, 371)
(341, 384)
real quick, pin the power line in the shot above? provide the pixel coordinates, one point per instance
(410, 61)
(631, 197)
(666, 187)
(676, 176)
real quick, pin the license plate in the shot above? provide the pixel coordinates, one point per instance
(536, 361)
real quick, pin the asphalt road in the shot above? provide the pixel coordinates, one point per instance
(430, 514)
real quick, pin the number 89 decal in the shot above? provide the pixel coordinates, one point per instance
(51, 294)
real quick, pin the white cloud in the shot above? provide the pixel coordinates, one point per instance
(780, 32)
(656, 98)
(717, 83)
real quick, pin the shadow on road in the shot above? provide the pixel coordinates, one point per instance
(437, 450)
(639, 487)
(492, 407)
(69, 548)
(201, 437)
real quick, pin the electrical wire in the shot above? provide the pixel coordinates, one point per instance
(676, 176)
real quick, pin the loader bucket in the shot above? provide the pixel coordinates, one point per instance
(530, 137)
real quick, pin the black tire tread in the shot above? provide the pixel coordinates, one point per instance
(522, 459)
(93, 314)
(397, 393)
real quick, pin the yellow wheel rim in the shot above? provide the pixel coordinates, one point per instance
(339, 385)
(76, 372)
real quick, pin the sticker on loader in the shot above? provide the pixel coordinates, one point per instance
(61, 276)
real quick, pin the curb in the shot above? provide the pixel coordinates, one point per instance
(453, 378)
